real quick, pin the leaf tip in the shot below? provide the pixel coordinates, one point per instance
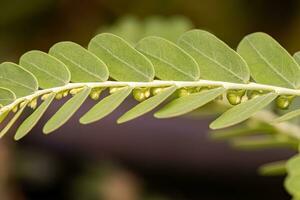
(18, 137)
(47, 130)
(82, 120)
(121, 120)
(158, 115)
(214, 125)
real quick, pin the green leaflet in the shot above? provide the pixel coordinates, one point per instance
(18, 80)
(147, 105)
(123, 61)
(217, 61)
(105, 106)
(273, 169)
(292, 185)
(33, 119)
(242, 111)
(170, 61)
(13, 120)
(269, 63)
(49, 71)
(83, 65)
(262, 142)
(240, 131)
(6, 96)
(188, 103)
(66, 111)
(293, 166)
(287, 116)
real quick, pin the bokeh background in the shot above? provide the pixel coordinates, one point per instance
(146, 159)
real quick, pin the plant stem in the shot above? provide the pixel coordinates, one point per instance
(285, 126)
(158, 83)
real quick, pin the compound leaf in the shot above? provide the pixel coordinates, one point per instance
(83, 65)
(217, 61)
(49, 71)
(170, 61)
(188, 103)
(147, 105)
(66, 111)
(105, 106)
(242, 111)
(123, 61)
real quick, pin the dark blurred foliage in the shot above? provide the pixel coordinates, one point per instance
(154, 159)
(35, 24)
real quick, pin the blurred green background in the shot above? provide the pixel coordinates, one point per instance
(145, 159)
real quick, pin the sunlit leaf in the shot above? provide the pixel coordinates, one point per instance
(188, 103)
(217, 61)
(13, 120)
(269, 63)
(49, 71)
(105, 106)
(123, 61)
(33, 119)
(6, 96)
(243, 111)
(83, 65)
(66, 111)
(170, 61)
(147, 105)
(18, 80)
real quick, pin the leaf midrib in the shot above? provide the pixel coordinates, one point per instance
(17, 83)
(168, 63)
(46, 72)
(251, 106)
(214, 61)
(82, 68)
(122, 61)
(269, 64)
